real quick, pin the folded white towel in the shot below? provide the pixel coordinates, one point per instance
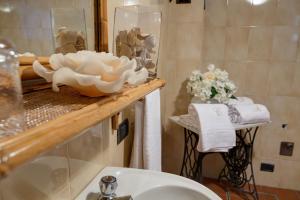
(249, 114)
(190, 122)
(240, 100)
(217, 132)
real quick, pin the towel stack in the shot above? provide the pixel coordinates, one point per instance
(215, 122)
(243, 111)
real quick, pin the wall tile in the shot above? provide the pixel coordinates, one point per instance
(296, 80)
(189, 45)
(171, 41)
(46, 42)
(237, 73)
(289, 172)
(292, 136)
(285, 44)
(236, 43)
(41, 4)
(281, 78)
(260, 43)
(239, 12)
(269, 148)
(64, 4)
(216, 13)
(214, 43)
(256, 78)
(217, 63)
(17, 36)
(294, 109)
(35, 38)
(280, 109)
(288, 12)
(45, 178)
(32, 20)
(263, 14)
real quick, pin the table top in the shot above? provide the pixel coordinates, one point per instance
(195, 130)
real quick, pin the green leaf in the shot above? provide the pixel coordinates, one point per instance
(214, 92)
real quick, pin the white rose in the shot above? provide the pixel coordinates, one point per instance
(211, 67)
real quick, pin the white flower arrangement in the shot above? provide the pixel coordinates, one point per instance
(213, 85)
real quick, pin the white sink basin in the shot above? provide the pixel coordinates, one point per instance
(149, 185)
(171, 192)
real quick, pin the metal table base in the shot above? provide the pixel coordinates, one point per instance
(237, 160)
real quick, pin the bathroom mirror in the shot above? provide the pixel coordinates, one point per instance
(27, 23)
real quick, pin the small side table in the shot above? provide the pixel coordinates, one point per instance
(237, 159)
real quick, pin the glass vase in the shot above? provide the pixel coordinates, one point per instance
(11, 99)
(69, 30)
(137, 35)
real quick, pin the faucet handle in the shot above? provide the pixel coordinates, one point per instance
(108, 186)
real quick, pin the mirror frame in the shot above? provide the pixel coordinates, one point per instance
(101, 25)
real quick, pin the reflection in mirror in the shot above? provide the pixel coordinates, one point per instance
(68, 30)
(27, 23)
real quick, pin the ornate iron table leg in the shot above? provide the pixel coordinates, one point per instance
(192, 159)
(237, 160)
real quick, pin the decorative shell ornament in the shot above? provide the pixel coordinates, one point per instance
(138, 45)
(92, 74)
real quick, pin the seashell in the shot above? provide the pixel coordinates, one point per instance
(92, 74)
(123, 37)
(131, 38)
(150, 65)
(137, 30)
(150, 42)
(142, 36)
(125, 50)
(69, 41)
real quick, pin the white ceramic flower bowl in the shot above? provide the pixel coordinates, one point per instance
(90, 73)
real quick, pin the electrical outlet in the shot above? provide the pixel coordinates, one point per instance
(286, 148)
(123, 131)
(267, 167)
(183, 1)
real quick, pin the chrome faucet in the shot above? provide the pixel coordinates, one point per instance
(108, 186)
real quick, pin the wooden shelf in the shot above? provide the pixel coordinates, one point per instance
(23, 147)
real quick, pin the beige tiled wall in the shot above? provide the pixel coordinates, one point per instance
(259, 46)
(65, 171)
(181, 54)
(27, 23)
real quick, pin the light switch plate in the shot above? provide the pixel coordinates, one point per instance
(286, 148)
(267, 167)
(123, 131)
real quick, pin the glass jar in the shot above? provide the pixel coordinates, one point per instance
(11, 99)
(69, 30)
(137, 35)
